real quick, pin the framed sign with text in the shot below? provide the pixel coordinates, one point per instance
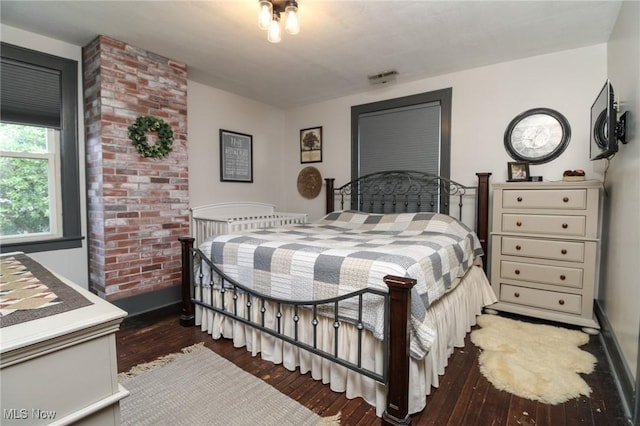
(236, 157)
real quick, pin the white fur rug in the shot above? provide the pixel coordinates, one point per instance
(534, 361)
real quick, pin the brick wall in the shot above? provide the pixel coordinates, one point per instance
(137, 206)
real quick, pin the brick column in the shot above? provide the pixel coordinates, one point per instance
(137, 206)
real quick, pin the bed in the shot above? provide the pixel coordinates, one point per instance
(359, 299)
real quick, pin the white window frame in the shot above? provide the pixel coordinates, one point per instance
(68, 155)
(55, 191)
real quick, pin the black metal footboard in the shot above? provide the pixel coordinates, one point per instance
(199, 290)
(210, 277)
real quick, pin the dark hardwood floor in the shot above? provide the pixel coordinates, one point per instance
(464, 397)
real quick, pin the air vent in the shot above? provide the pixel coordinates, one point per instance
(383, 77)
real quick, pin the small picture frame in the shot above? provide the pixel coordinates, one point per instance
(236, 157)
(518, 171)
(311, 145)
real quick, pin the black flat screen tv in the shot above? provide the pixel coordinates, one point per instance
(604, 142)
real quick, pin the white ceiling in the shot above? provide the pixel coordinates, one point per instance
(340, 43)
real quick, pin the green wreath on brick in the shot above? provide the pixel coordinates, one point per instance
(138, 135)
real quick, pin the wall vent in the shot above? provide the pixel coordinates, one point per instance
(383, 77)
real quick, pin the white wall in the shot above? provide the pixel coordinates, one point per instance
(72, 263)
(210, 110)
(620, 292)
(485, 100)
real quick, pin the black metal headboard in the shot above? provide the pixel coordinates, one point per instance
(398, 191)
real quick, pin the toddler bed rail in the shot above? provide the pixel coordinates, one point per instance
(225, 218)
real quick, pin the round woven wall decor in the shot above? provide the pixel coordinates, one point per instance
(309, 182)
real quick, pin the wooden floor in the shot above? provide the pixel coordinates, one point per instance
(464, 397)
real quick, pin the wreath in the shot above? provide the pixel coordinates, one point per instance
(138, 135)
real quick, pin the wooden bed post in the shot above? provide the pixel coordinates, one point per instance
(397, 411)
(482, 218)
(330, 200)
(187, 318)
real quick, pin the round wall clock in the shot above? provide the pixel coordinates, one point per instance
(537, 136)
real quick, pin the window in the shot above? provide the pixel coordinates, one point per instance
(408, 133)
(29, 195)
(39, 182)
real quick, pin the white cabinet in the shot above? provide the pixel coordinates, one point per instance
(544, 249)
(62, 369)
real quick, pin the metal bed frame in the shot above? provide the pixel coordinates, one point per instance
(392, 191)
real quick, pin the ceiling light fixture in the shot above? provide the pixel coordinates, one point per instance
(269, 18)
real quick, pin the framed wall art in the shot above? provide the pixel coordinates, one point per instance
(518, 171)
(236, 157)
(311, 145)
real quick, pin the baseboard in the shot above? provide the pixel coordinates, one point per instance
(619, 369)
(141, 303)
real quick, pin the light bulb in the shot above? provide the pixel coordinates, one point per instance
(292, 26)
(264, 17)
(274, 35)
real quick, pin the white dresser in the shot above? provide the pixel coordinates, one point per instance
(62, 369)
(544, 255)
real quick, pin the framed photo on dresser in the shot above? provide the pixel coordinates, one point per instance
(518, 171)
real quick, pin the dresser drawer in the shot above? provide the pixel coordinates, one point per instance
(563, 302)
(569, 251)
(544, 199)
(544, 274)
(545, 224)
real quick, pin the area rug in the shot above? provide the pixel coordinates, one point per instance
(533, 361)
(199, 387)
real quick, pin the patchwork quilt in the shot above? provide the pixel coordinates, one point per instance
(347, 251)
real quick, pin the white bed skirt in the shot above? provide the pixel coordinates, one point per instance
(453, 316)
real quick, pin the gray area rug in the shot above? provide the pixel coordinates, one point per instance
(199, 387)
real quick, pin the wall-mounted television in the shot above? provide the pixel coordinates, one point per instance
(606, 130)
(603, 123)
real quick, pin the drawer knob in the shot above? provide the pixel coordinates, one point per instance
(517, 271)
(565, 199)
(563, 277)
(518, 247)
(516, 294)
(565, 226)
(518, 223)
(561, 302)
(519, 199)
(563, 251)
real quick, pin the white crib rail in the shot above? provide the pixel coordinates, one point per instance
(225, 218)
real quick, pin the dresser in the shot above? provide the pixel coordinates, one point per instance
(545, 250)
(62, 368)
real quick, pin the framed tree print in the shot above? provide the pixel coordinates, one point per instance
(311, 145)
(236, 157)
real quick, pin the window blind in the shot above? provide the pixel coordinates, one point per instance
(30, 94)
(404, 138)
